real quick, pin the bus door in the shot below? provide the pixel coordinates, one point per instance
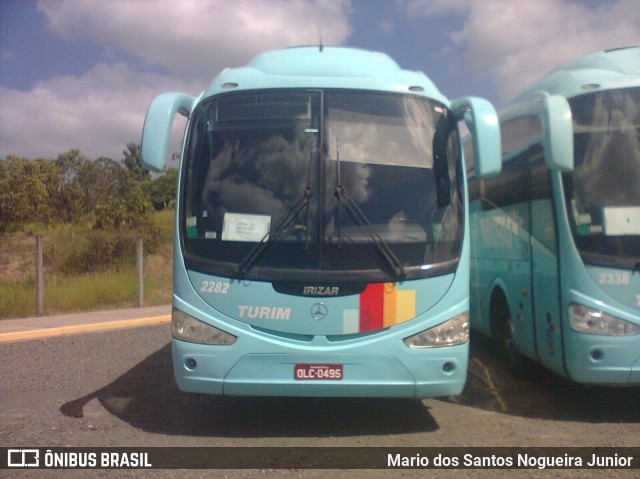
(545, 276)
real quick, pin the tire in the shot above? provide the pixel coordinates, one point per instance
(518, 365)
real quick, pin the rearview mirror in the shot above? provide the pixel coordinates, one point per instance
(157, 127)
(558, 133)
(482, 121)
(553, 127)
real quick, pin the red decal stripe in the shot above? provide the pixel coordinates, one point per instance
(372, 308)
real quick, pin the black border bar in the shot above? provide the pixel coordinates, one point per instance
(320, 458)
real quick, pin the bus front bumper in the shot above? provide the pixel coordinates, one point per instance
(603, 360)
(404, 373)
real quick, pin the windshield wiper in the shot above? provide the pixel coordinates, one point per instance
(301, 203)
(359, 217)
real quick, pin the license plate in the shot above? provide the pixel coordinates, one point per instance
(317, 372)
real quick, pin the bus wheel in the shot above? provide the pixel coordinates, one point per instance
(518, 365)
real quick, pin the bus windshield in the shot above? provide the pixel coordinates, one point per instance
(332, 184)
(603, 191)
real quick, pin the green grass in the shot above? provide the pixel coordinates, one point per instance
(96, 290)
(101, 291)
(17, 299)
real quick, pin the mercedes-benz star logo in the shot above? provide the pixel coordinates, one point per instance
(319, 311)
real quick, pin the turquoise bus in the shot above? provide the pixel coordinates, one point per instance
(555, 257)
(321, 244)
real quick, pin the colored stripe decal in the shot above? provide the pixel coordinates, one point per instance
(350, 321)
(390, 304)
(383, 305)
(406, 306)
(372, 308)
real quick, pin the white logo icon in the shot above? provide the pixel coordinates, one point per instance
(23, 458)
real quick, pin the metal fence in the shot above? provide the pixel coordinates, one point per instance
(40, 273)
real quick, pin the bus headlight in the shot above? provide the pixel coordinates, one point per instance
(592, 321)
(452, 332)
(187, 328)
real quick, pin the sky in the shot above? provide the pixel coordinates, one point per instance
(82, 73)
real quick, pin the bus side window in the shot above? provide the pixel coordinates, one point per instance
(476, 185)
(542, 216)
(521, 136)
(511, 186)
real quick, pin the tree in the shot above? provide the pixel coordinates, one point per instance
(100, 180)
(72, 188)
(132, 162)
(29, 192)
(71, 201)
(126, 210)
(163, 190)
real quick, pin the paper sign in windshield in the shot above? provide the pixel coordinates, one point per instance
(244, 227)
(621, 220)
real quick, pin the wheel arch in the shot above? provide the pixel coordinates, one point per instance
(499, 307)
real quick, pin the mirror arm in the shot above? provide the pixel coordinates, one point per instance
(482, 121)
(157, 127)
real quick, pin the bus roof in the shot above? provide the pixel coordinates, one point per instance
(603, 70)
(324, 67)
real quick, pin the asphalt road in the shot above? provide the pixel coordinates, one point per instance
(116, 388)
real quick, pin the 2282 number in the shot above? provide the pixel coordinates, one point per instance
(215, 287)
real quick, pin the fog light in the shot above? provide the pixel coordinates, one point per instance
(191, 363)
(448, 367)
